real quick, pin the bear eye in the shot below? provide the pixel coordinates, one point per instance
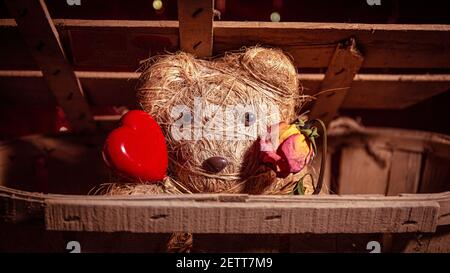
(249, 119)
(187, 118)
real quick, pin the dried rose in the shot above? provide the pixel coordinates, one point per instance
(291, 151)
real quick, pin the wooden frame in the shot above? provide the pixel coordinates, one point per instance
(368, 91)
(216, 213)
(344, 65)
(311, 44)
(39, 33)
(196, 26)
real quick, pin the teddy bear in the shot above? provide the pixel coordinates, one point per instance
(228, 122)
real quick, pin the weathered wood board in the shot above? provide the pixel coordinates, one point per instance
(42, 40)
(368, 91)
(118, 45)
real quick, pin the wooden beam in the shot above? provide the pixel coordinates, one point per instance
(207, 213)
(343, 67)
(369, 91)
(393, 91)
(196, 26)
(312, 45)
(42, 39)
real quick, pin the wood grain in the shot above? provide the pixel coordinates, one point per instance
(313, 44)
(215, 213)
(364, 170)
(196, 26)
(436, 174)
(42, 39)
(404, 175)
(342, 69)
(370, 91)
(119, 45)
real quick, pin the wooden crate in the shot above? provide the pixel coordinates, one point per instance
(391, 184)
(390, 198)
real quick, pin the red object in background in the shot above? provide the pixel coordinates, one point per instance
(137, 148)
(22, 120)
(18, 121)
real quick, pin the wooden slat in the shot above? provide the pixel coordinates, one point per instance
(196, 26)
(346, 132)
(436, 174)
(438, 242)
(117, 88)
(404, 175)
(41, 37)
(225, 214)
(311, 44)
(63, 164)
(364, 170)
(267, 214)
(342, 69)
(118, 45)
(216, 213)
(371, 91)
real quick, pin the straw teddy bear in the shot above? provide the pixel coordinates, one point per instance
(229, 125)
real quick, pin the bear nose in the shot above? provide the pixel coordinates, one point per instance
(215, 164)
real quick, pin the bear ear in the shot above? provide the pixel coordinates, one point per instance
(272, 66)
(162, 79)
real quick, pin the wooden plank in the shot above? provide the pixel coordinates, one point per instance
(118, 45)
(62, 164)
(384, 91)
(346, 132)
(437, 242)
(405, 172)
(196, 26)
(238, 217)
(215, 213)
(436, 174)
(100, 88)
(364, 170)
(312, 45)
(342, 69)
(370, 91)
(41, 37)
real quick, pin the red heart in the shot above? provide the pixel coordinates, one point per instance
(137, 148)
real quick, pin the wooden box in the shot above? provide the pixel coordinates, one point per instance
(385, 185)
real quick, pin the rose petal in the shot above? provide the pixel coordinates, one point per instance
(294, 152)
(289, 157)
(286, 132)
(268, 153)
(270, 157)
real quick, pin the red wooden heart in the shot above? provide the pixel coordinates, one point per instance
(137, 148)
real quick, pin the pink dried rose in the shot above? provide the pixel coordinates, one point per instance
(289, 153)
